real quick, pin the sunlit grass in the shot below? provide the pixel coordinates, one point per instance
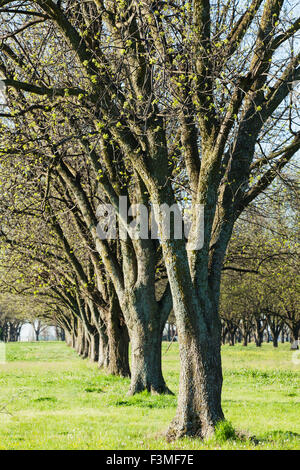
(51, 399)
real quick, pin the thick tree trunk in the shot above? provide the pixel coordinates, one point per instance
(146, 359)
(258, 338)
(118, 340)
(259, 333)
(113, 339)
(145, 319)
(199, 402)
(199, 331)
(275, 340)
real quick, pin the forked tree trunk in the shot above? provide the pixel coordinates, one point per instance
(143, 265)
(199, 330)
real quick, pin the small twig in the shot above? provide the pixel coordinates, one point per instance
(171, 342)
(3, 408)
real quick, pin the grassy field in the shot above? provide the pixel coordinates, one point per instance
(51, 399)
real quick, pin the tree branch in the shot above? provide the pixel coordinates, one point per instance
(42, 90)
(270, 175)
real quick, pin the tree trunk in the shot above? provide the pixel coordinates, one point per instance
(245, 335)
(199, 402)
(68, 338)
(199, 330)
(85, 350)
(231, 338)
(275, 340)
(146, 359)
(258, 337)
(94, 347)
(103, 358)
(118, 341)
(73, 340)
(260, 326)
(79, 345)
(294, 338)
(79, 342)
(145, 319)
(224, 334)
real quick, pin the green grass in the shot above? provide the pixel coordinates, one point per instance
(51, 399)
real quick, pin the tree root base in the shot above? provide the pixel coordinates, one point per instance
(163, 390)
(179, 429)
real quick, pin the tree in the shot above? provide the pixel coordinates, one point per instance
(10, 322)
(287, 298)
(176, 93)
(260, 268)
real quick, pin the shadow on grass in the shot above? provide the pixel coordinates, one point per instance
(93, 390)
(280, 436)
(46, 399)
(146, 400)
